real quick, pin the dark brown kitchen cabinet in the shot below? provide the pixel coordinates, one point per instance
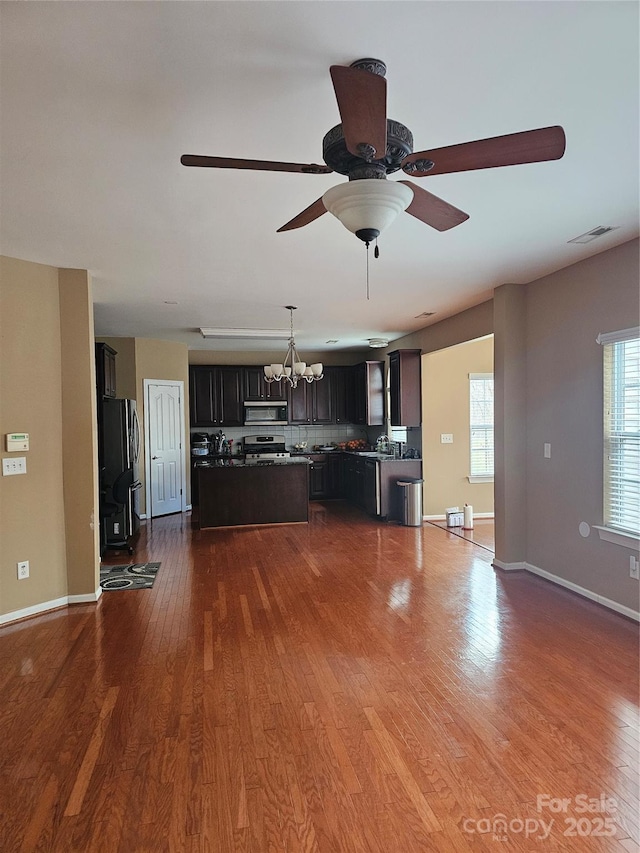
(372, 484)
(360, 482)
(367, 404)
(325, 478)
(105, 371)
(257, 389)
(215, 396)
(341, 381)
(405, 387)
(311, 403)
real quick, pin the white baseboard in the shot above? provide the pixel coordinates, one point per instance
(34, 610)
(444, 517)
(188, 508)
(143, 516)
(574, 587)
(87, 598)
(510, 567)
(54, 604)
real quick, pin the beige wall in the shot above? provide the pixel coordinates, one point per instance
(138, 359)
(47, 389)
(161, 360)
(79, 433)
(31, 506)
(126, 387)
(445, 409)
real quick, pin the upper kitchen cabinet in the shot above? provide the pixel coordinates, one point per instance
(257, 389)
(215, 396)
(368, 394)
(105, 371)
(311, 402)
(341, 380)
(405, 387)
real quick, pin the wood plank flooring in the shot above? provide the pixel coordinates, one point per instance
(483, 532)
(344, 687)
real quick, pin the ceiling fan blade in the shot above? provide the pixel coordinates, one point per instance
(308, 215)
(434, 211)
(266, 165)
(529, 146)
(362, 101)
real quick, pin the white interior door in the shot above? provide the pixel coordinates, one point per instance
(164, 417)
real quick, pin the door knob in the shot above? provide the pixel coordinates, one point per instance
(156, 457)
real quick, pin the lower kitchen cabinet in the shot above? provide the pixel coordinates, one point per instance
(372, 483)
(325, 476)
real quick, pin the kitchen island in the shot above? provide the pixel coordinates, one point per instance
(236, 492)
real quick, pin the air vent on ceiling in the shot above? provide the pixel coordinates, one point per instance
(600, 231)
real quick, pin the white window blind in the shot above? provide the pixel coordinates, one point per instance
(481, 424)
(622, 430)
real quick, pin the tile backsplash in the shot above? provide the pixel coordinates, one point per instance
(295, 434)
(315, 435)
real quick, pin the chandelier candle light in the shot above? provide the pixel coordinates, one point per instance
(292, 368)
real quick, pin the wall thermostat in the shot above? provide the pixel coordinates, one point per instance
(16, 441)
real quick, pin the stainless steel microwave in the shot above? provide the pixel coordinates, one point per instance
(266, 414)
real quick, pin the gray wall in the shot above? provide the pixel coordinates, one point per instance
(564, 313)
(548, 373)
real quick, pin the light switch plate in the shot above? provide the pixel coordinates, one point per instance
(547, 450)
(14, 465)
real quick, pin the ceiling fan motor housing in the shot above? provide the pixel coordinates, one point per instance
(342, 161)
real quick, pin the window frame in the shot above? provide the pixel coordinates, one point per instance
(613, 529)
(484, 476)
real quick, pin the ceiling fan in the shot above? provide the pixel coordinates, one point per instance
(368, 146)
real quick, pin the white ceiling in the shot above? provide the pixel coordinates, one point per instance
(99, 100)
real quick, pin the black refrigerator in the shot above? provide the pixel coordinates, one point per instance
(119, 452)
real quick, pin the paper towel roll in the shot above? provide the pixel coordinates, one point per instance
(468, 517)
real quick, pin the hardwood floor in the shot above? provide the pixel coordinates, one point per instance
(483, 532)
(342, 686)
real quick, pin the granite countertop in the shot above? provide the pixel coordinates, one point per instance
(367, 454)
(238, 462)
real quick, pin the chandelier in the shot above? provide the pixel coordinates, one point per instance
(292, 368)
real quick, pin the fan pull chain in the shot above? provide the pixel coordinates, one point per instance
(367, 271)
(376, 254)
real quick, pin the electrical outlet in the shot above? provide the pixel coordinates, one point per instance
(446, 438)
(634, 567)
(23, 570)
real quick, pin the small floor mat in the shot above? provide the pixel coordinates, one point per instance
(132, 576)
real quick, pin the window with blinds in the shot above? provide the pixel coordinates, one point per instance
(622, 430)
(481, 425)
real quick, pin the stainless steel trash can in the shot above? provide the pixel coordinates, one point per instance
(411, 501)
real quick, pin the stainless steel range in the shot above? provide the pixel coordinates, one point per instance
(265, 447)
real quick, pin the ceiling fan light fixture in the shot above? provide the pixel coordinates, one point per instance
(368, 205)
